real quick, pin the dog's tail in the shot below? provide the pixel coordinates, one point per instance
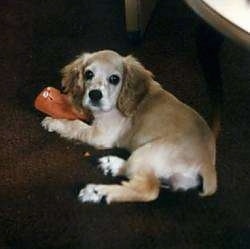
(209, 176)
(208, 170)
(216, 125)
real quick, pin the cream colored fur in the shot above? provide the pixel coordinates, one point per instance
(168, 140)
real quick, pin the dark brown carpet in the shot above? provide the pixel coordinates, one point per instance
(41, 173)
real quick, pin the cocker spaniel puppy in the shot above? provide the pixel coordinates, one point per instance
(170, 143)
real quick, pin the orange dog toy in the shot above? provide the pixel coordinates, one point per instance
(52, 102)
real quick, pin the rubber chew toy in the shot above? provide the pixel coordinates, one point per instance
(52, 102)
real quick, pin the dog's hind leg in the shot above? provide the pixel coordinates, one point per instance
(142, 187)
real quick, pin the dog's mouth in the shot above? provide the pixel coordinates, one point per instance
(95, 103)
(98, 106)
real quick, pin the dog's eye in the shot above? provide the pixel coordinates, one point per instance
(114, 79)
(88, 75)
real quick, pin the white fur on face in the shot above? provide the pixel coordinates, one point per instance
(100, 81)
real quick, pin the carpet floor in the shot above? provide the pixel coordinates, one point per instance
(42, 173)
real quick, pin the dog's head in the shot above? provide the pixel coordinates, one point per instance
(105, 80)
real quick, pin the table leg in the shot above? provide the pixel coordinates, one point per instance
(209, 44)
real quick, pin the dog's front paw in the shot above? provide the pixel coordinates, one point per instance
(50, 124)
(91, 194)
(111, 165)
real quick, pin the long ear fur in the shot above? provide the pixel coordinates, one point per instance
(72, 79)
(135, 85)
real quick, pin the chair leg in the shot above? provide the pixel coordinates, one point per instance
(209, 43)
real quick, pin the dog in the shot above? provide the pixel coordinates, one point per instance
(170, 143)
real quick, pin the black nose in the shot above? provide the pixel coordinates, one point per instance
(95, 95)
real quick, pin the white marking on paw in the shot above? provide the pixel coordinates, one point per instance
(52, 124)
(90, 194)
(111, 164)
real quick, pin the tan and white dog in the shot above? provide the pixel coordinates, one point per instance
(168, 140)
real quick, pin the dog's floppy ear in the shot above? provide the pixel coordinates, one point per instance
(72, 73)
(72, 77)
(135, 85)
